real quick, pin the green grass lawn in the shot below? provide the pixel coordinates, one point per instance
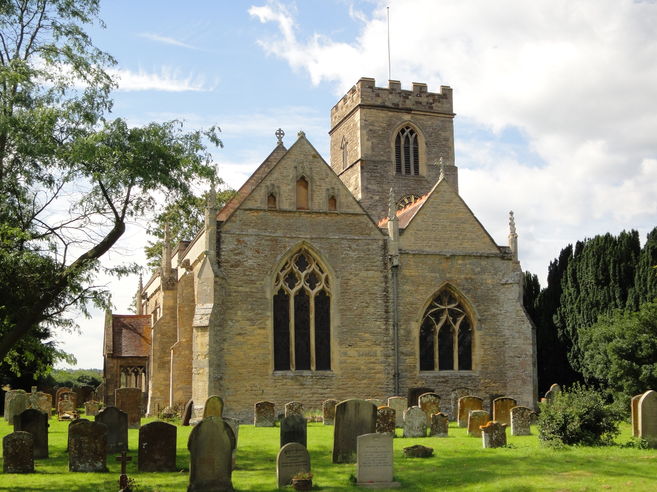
(459, 463)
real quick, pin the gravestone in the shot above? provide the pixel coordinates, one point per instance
(157, 447)
(352, 419)
(385, 420)
(552, 392)
(264, 414)
(36, 423)
(439, 426)
(18, 452)
(521, 418)
(87, 449)
(68, 433)
(117, 428)
(69, 395)
(59, 392)
(398, 404)
(466, 405)
(293, 429)
(234, 425)
(210, 456)
(15, 404)
(328, 411)
(454, 400)
(129, 400)
(294, 408)
(502, 409)
(476, 419)
(66, 408)
(413, 394)
(493, 434)
(187, 412)
(415, 422)
(292, 458)
(635, 414)
(91, 408)
(214, 407)
(648, 418)
(374, 460)
(430, 404)
(43, 402)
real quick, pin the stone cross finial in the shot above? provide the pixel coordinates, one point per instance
(279, 136)
(301, 133)
(212, 195)
(392, 208)
(441, 165)
(512, 223)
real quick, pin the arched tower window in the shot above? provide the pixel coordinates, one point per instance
(445, 335)
(302, 315)
(302, 193)
(407, 152)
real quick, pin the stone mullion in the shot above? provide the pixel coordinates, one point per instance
(436, 360)
(312, 330)
(455, 345)
(292, 333)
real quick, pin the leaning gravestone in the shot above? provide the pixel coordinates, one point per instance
(87, 447)
(294, 408)
(439, 425)
(264, 414)
(374, 461)
(635, 414)
(117, 428)
(18, 452)
(129, 400)
(187, 412)
(16, 401)
(210, 456)
(214, 407)
(352, 419)
(157, 447)
(36, 423)
(292, 458)
(521, 418)
(293, 429)
(430, 404)
(413, 394)
(466, 405)
(398, 404)
(502, 409)
(91, 408)
(493, 434)
(476, 419)
(328, 411)
(385, 420)
(648, 418)
(415, 422)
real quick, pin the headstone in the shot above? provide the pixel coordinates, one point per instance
(187, 413)
(493, 434)
(328, 411)
(234, 425)
(418, 451)
(466, 405)
(414, 393)
(117, 428)
(502, 409)
(44, 403)
(292, 458)
(293, 429)
(87, 446)
(214, 407)
(455, 396)
(439, 426)
(398, 404)
(264, 414)
(69, 395)
(385, 420)
(648, 418)
(552, 392)
(157, 447)
(18, 452)
(210, 456)
(521, 418)
(476, 419)
(36, 423)
(294, 408)
(352, 419)
(635, 414)
(374, 461)
(66, 408)
(415, 422)
(58, 393)
(91, 408)
(430, 404)
(15, 403)
(129, 400)
(68, 436)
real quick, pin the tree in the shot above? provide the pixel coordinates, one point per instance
(69, 178)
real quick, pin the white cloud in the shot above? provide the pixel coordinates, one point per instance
(168, 80)
(167, 40)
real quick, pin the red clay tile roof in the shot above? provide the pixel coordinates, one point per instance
(131, 335)
(406, 214)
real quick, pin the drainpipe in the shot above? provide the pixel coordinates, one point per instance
(393, 255)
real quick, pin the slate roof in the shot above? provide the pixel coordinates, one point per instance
(131, 335)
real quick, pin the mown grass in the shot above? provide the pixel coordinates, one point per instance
(459, 464)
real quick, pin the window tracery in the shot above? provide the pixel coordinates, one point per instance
(407, 152)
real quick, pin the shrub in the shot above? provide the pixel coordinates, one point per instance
(578, 415)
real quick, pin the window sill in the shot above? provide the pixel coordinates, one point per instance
(449, 372)
(304, 373)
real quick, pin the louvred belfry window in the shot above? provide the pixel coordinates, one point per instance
(302, 315)
(407, 152)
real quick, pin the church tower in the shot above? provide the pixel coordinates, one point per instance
(389, 138)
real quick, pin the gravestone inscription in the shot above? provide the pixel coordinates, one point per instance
(292, 458)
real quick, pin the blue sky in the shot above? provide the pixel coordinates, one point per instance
(556, 100)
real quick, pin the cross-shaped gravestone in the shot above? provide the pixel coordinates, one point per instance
(124, 486)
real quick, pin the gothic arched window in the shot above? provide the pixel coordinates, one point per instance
(407, 152)
(302, 315)
(445, 335)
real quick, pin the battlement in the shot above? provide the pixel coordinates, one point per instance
(417, 99)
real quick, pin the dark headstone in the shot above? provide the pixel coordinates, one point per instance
(293, 458)
(385, 420)
(157, 447)
(414, 393)
(210, 456)
(117, 428)
(18, 452)
(36, 423)
(128, 400)
(352, 419)
(294, 429)
(264, 414)
(439, 426)
(187, 413)
(87, 447)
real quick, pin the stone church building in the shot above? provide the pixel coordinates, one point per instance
(362, 278)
